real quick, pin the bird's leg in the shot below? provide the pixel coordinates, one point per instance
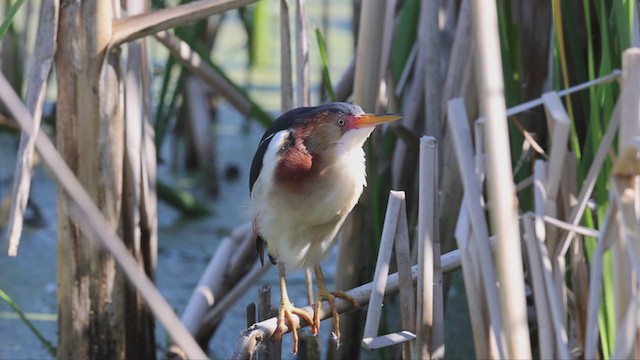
(330, 296)
(286, 312)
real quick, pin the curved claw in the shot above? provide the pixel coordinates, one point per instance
(286, 312)
(331, 298)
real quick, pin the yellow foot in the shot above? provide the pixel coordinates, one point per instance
(287, 310)
(323, 294)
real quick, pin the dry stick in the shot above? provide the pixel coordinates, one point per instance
(629, 101)
(559, 122)
(545, 336)
(472, 283)
(215, 314)
(622, 188)
(368, 54)
(262, 331)
(459, 126)
(514, 110)
(189, 58)
(626, 332)
(197, 104)
(374, 312)
(433, 82)
(501, 189)
(625, 259)
(590, 180)
(608, 232)
(580, 230)
(303, 92)
(407, 294)
(285, 58)
(205, 294)
(137, 26)
(545, 333)
(89, 217)
(557, 314)
(428, 193)
(39, 69)
(387, 38)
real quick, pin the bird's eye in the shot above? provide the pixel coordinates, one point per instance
(340, 122)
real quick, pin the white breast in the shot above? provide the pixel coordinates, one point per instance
(300, 228)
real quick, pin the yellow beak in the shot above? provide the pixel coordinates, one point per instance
(366, 120)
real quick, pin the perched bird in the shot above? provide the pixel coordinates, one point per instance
(307, 175)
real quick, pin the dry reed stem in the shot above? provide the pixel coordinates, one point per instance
(626, 332)
(91, 220)
(368, 54)
(608, 233)
(545, 330)
(433, 79)
(137, 26)
(286, 84)
(427, 236)
(197, 104)
(189, 58)
(394, 232)
(590, 181)
(472, 284)
(407, 294)
(303, 92)
(461, 135)
(628, 186)
(39, 68)
(554, 301)
(558, 123)
(374, 312)
(388, 25)
(206, 293)
(215, 314)
(262, 331)
(514, 110)
(501, 189)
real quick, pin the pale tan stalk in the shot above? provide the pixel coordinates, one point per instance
(39, 68)
(501, 189)
(92, 221)
(427, 235)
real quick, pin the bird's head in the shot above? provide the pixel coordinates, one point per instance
(302, 137)
(334, 127)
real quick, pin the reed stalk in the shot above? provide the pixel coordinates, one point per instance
(86, 214)
(303, 91)
(427, 237)
(461, 136)
(262, 331)
(40, 67)
(286, 85)
(501, 189)
(374, 312)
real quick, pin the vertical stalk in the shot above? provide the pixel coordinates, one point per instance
(90, 138)
(502, 195)
(426, 240)
(285, 58)
(303, 92)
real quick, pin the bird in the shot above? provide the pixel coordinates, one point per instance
(306, 176)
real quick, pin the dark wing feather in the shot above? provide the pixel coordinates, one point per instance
(284, 122)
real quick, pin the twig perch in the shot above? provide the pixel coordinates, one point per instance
(262, 331)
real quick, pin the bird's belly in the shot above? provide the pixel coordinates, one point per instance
(300, 226)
